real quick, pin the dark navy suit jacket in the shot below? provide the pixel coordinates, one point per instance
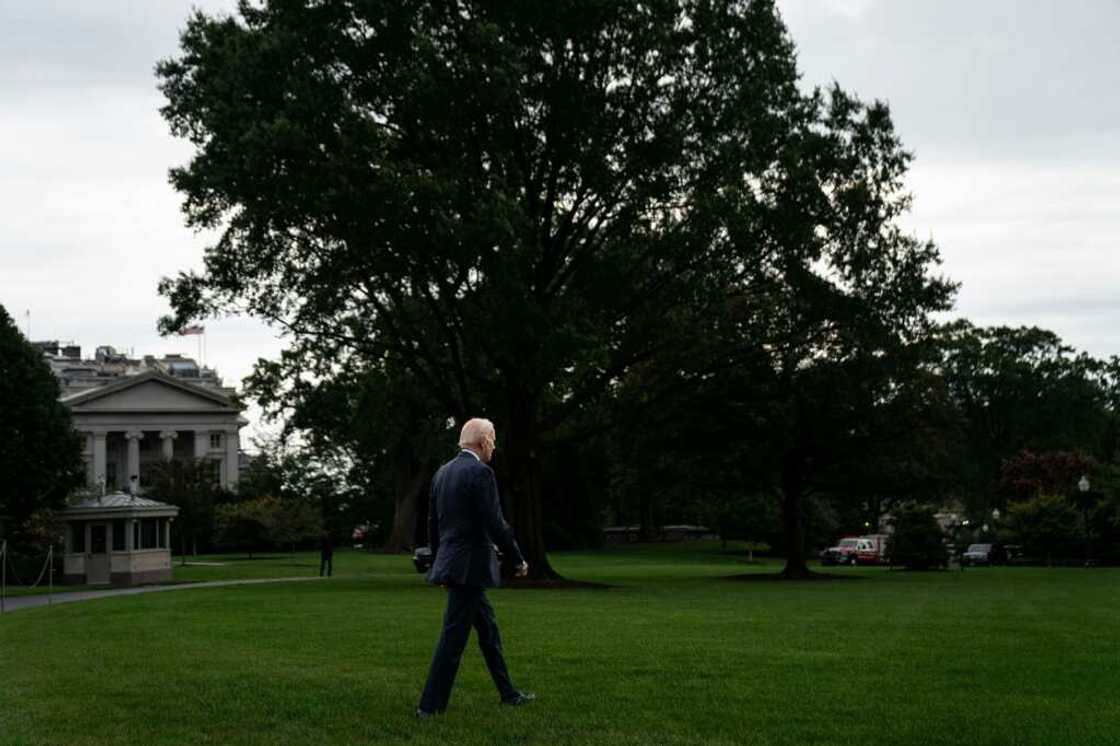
(465, 522)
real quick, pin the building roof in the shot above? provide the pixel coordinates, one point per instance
(119, 500)
(76, 375)
(127, 382)
(118, 503)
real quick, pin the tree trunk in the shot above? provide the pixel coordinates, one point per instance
(412, 479)
(793, 527)
(523, 499)
(647, 531)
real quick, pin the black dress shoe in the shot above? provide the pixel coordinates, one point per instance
(424, 714)
(522, 698)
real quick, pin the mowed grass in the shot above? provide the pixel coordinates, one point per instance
(673, 653)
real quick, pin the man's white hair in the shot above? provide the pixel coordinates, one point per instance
(474, 432)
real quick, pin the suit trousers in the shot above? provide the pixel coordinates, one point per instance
(467, 607)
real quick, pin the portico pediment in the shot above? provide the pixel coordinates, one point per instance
(150, 392)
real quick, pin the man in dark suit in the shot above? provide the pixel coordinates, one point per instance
(326, 553)
(464, 522)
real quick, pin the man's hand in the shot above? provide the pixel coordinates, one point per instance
(523, 570)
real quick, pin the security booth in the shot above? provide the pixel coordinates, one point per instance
(119, 539)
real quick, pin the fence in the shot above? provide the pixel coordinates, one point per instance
(47, 571)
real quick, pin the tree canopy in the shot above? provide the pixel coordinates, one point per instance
(520, 204)
(1024, 389)
(193, 488)
(40, 453)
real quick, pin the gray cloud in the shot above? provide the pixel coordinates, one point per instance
(90, 223)
(1011, 108)
(70, 44)
(969, 74)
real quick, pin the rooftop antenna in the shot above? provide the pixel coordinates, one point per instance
(28, 314)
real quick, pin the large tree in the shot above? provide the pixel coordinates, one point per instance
(518, 203)
(377, 421)
(1023, 388)
(307, 477)
(40, 453)
(192, 487)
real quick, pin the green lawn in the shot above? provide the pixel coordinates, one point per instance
(672, 654)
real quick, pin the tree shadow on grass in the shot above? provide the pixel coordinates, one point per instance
(239, 557)
(774, 577)
(555, 584)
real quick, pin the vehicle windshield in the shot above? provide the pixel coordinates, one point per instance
(849, 542)
(980, 548)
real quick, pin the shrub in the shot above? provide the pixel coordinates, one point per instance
(917, 542)
(1047, 526)
(267, 521)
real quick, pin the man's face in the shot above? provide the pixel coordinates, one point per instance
(489, 443)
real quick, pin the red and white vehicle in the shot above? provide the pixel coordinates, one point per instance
(863, 550)
(843, 553)
(872, 549)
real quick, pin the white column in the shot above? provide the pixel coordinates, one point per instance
(87, 456)
(99, 459)
(134, 438)
(233, 444)
(201, 443)
(168, 437)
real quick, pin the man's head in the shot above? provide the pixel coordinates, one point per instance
(479, 436)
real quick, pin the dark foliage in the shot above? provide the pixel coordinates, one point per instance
(40, 453)
(1029, 474)
(917, 542)
(518, 205)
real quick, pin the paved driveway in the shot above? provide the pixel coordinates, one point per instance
(27, 602)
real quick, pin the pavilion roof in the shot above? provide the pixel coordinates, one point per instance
(118, 503)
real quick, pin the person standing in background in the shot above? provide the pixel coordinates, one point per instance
(326, 554)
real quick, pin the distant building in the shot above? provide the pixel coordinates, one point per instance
(118, 539)
(108, 364)
(678, 532)
(136, 412)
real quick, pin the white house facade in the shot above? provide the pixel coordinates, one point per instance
(138, 420)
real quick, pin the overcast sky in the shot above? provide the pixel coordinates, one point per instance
(1011, 108)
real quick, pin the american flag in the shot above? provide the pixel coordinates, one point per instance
(191, 330)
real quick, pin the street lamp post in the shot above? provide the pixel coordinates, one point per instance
(966, 535)
(1002, 553)
(1083, 488)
